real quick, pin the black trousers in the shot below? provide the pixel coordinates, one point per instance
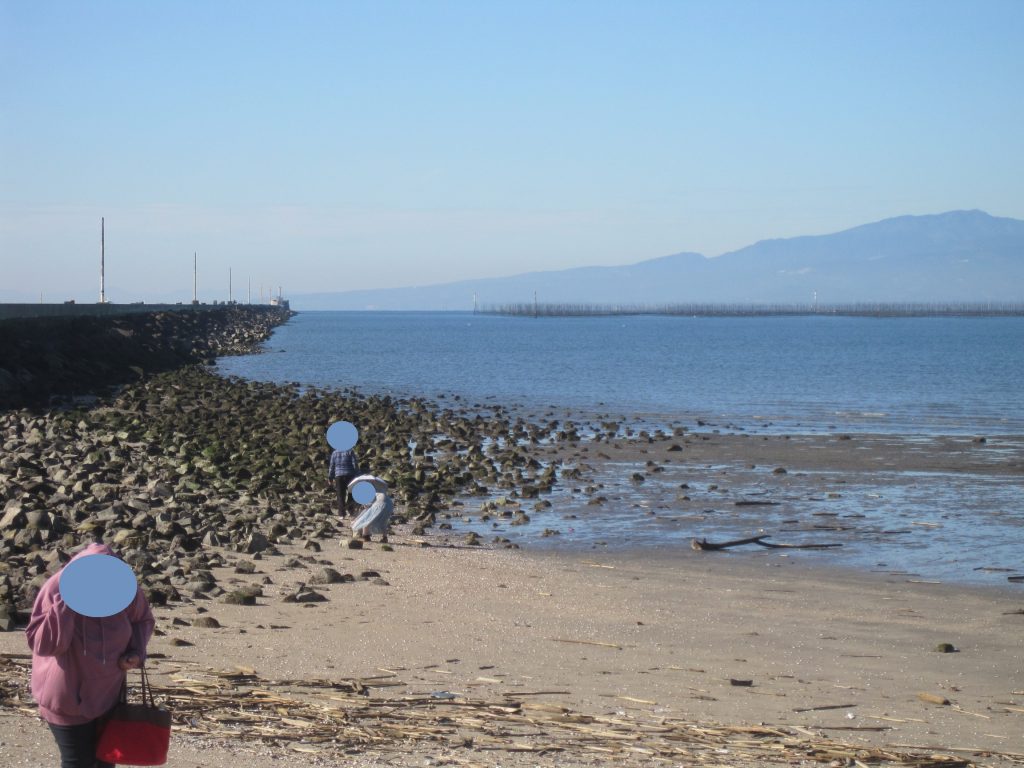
(77, 745)
(341, 487)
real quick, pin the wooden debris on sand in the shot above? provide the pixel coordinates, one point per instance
(703, 545)
(338, 717)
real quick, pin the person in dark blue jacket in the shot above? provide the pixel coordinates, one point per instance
(344, 467)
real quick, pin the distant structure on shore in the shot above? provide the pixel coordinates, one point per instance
(103, 258)
(865, 309)
(279, 300)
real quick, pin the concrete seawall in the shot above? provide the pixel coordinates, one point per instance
(85, 349)
(21, 311)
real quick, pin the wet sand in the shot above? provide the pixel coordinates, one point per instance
(942, 508)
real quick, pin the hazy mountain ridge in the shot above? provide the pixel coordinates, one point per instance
(954, 256)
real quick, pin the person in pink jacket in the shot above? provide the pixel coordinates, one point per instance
(79, 664)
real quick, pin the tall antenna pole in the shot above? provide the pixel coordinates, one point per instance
(474, 304)
(195, 271)
(535, 304)
(103, 257)
(229, 286)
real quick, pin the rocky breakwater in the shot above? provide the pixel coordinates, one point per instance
(186, 466)
(46, 358)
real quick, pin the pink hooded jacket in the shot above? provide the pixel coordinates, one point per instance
(75, 674)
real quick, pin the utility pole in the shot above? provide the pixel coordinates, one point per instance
(474, 304)
(103, 257)
(534, 304)
(230, 295)
(195, 269)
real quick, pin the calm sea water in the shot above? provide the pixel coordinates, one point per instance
(803, 376)
(796, 374)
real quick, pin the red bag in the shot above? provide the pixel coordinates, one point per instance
(135, 734)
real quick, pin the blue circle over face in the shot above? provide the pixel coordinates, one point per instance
(342, 435)
(98, 585)
(364, 492)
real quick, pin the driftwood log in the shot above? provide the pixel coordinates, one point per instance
(703, 545)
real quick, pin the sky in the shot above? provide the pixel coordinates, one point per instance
(330, 146)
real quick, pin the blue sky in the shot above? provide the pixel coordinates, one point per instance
(345, 145)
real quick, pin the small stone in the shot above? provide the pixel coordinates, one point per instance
(779, 471)
(325, 576)
(256, 542)
(179, 643)
(245, 567)
(945, 648)
(240, 597)
(13, 517)
(386, 548)
(472, 539)
(309, 596)
(160, 595)
(352, 543)
(124, 535)
(206, 622)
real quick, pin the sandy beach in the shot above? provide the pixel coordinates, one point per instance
(702, 638)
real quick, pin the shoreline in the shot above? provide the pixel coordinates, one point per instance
(222, 479)
(443, 485)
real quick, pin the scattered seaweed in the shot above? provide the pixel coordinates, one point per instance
(332, 718)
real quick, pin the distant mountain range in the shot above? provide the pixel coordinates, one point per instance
(957, 256)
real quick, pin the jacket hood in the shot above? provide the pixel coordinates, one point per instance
(96, 548)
